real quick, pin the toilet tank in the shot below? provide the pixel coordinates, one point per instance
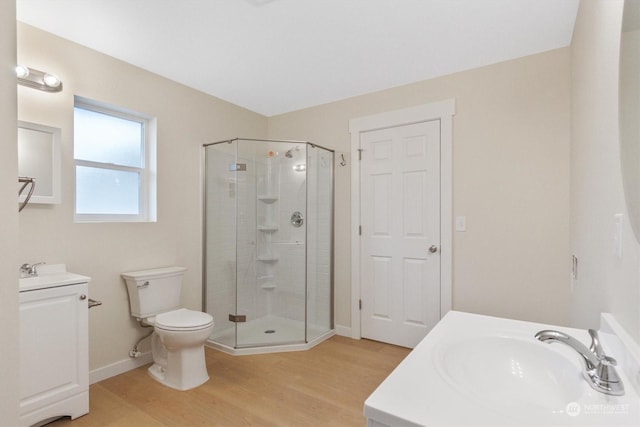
(154, 291)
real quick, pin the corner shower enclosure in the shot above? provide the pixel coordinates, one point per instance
(268, 245)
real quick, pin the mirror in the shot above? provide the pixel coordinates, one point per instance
(39, 157)
(629, 110)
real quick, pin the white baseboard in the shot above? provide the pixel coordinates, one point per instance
(343, 331)
(128, 364)
(119, 367)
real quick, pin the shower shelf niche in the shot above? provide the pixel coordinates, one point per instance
(266, 282)
(268, 198)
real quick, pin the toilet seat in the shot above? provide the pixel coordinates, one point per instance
(183, 319)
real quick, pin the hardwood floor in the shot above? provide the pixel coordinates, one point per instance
(324, 386)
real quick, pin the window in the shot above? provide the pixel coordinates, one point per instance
(114, 164)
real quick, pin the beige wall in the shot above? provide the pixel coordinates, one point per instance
(511, 181)
(186, 119)
(8, 218)
(605, 283)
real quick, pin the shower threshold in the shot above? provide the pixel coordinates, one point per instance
(269, 334)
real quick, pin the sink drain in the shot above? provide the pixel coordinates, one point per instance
(270, 331)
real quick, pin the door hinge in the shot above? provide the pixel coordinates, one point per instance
(360, 304)
(359, 230)
(360, 150)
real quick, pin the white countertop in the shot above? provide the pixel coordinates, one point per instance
(419, 393)
(51, 276)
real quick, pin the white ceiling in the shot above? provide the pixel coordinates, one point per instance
(276, 56)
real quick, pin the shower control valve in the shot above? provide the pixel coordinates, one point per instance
(297, 219)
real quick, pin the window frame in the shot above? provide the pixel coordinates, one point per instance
(146, 173)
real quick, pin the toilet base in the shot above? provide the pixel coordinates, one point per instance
(185, 369)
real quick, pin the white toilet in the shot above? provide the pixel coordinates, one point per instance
(179, 334)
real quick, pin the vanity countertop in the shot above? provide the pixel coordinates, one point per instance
(51, 276)
(525, 383)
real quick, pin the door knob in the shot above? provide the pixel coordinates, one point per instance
(433, 249)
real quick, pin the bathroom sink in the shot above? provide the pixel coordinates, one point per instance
(50, 276)
(488, 371)
(508, 370)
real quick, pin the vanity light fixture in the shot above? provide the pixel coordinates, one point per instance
(38, 79)
(22, 71)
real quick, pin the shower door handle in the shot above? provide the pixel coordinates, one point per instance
(237, 318)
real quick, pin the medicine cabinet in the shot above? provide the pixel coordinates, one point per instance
(39, 157)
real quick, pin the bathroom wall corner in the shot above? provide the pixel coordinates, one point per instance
(9, 317)
(606, 283)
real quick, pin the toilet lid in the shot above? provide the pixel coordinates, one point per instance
(183, 319)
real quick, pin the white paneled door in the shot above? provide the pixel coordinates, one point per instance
(400, 235)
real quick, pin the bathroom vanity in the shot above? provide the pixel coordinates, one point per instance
(54, 356)
(486, 371)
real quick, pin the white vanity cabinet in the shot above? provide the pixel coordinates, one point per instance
(54, 354)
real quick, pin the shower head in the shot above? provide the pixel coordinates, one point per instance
(289, 153)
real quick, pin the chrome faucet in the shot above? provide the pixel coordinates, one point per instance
(599, 369)
(30, 270)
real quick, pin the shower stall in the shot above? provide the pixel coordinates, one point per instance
(268, 244)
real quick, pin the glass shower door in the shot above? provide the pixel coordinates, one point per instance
(319, 242)
(221, 189)
(247, 306)
(270, 248)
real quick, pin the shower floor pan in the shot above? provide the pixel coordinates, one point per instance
(269, 334)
